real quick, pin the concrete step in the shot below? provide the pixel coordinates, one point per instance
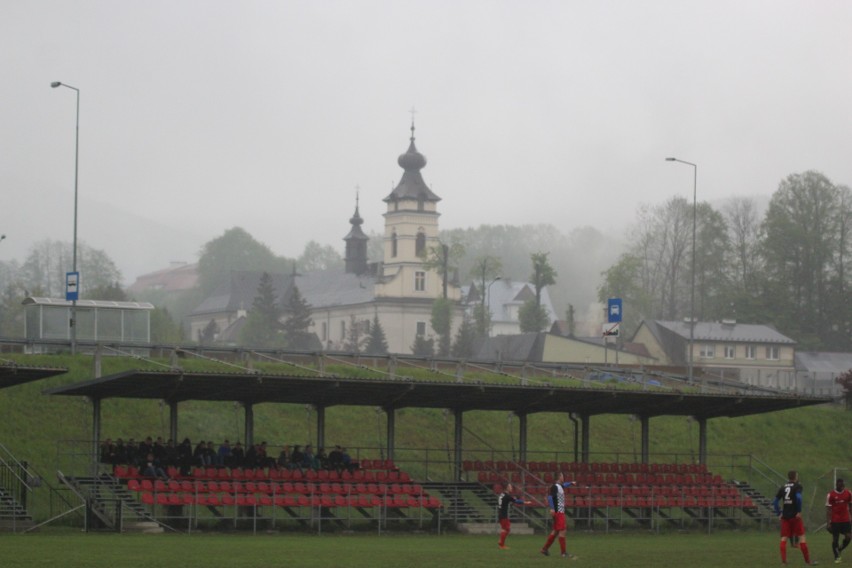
(16, 525)
(494, 528)
(147, 527)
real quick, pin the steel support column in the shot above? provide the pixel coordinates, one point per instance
(320, 427)
(645, 421)
(249, 423)
(457, 442)
(391, 431)
(173, 421)
(522, 437)
(96, 434)
(586, 421)
(702, 440)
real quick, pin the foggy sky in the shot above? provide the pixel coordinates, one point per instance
(198, 116)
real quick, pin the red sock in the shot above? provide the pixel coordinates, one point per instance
(562, 544)
(783, 551)
(550, 540)
(805, 553)
(503, 535)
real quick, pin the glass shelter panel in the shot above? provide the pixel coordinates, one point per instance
(109, 325)
(136, 325)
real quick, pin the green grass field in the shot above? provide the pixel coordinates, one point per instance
(66, 549)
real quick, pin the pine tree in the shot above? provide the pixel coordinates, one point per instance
(297, 321)
(376, 342)
(263, 323)
(423, 347)
(353, 336)
(442, 323)
(465, 337)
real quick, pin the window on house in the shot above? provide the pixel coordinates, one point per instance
(420, 243)
(419, 281)
(343, 330)
(394, 245)
(730, 351)
(421, 328)
(708, 351)
(773, 352)
(751, 352)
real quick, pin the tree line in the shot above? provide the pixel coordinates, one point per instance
(786, 267)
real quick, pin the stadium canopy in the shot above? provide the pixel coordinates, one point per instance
(12, 374)
(175, 386)
(256, 388)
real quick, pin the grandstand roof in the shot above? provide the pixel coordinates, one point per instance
(176, 386)
(12, 374)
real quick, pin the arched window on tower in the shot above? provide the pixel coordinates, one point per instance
(420, 243)
(393, 245)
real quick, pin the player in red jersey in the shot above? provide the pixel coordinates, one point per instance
(504, 500)
(556, 500)
(838, 511)
(788, 506)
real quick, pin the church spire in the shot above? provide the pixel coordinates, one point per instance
(356, 242)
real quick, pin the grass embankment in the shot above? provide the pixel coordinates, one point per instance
(36, 427)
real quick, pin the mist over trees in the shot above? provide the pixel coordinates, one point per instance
(789, 269)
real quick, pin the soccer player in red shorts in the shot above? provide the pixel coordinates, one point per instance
(504, 500)
(556, 500)
(788, 506)
(838, 505)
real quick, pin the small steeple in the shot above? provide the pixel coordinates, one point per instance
(356, 242)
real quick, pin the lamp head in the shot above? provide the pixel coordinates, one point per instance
(56, 84)
(671, 159)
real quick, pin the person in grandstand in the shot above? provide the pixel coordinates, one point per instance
(838, 510)
(556, 502)
(788, 506)
(504, 501)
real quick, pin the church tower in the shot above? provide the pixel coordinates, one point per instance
(411, 230)
(356, 245)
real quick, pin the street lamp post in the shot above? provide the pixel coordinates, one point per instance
(73, 321)
(488, 296)
(692, 291)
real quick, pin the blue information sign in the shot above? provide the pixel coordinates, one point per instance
(72, 286)
(613, 310)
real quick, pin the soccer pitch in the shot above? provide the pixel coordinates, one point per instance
(68, 549)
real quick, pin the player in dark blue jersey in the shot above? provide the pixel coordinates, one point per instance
(788, 506)
(556, 501)
(504, 501)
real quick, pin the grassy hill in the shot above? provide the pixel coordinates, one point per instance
(41, 429)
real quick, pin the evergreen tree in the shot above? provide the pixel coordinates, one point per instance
(423, 347)
(297, 321)
(532, 317)
(163, 327)
(442, 323)
(263, 323)
(354, 335)
(208, 335)
(465, 338)
(376, 342)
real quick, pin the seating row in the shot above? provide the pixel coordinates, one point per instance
(636, 490)
(262, 487)
(661, 501)
(271, 474)
(328, 501)
(604, 478)
(581, 467)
